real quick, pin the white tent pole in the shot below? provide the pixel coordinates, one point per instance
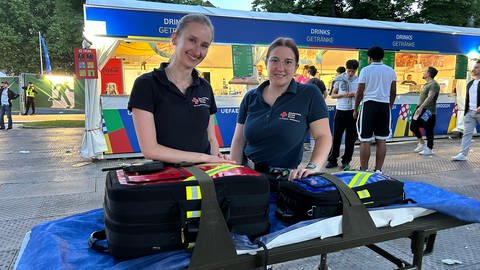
(40, 50)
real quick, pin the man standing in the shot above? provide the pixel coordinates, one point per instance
(472, 113)
(7, 96)
(30, 92)
(344, 89)
(376, 90)
(425, 114)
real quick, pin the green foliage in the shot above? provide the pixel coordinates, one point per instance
(445, 12)
(59, 21)
(282, 6)
(449, 12)
(64, 34)
(184, 2)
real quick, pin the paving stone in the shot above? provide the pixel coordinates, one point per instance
(47, 184)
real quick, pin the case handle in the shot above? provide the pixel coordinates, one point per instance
(214, 241)
(356, 220)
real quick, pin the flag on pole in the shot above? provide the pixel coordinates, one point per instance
(48, 68)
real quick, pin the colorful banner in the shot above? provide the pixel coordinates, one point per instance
(452, 124)
(119, 131)
(112, 77)
(85, 63)
(402, 127)
(402, 113)
(56, 91)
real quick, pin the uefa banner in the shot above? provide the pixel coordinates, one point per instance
(57, 91)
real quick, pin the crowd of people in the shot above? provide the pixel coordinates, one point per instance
(275, 117)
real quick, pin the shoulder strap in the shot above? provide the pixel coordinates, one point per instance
(214, 241)
(94, 238)
(356, 220)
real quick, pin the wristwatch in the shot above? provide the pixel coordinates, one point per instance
(311, 166)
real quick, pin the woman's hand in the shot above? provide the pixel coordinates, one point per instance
(219, 158)
(301, 172)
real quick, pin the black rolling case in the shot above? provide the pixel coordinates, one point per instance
(159, 211)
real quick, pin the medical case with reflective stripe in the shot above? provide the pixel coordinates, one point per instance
(315, 197)
(158, 211)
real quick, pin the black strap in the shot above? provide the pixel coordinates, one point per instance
(265, 253)
(214, 241)
(356, 220)
(93, 241)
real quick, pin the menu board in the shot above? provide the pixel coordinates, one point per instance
(362, 59)
(85, 63)
(388, 59)
(242, 59)
(461, 65)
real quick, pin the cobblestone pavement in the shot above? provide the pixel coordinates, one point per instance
(42, 178)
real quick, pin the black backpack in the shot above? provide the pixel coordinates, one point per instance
(316, 197)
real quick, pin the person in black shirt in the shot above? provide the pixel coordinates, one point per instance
(312, 71)
(172, 107)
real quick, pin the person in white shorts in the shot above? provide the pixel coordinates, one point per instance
(376, 93)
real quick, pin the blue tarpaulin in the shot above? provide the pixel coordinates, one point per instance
(63, 244)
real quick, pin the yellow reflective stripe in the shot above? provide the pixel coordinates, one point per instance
(364, 179)
(194, 214)
(218, 169)
(221, 168)
(193, 192)
(353, 182)
(190, 245)
(362, 194)
(359, 179)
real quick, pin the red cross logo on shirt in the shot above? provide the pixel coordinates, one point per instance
(283, 114)
(195, 100)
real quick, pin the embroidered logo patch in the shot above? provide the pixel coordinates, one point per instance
(200, 102)
(291, 116)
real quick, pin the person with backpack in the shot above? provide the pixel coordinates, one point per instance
(312, 71)
(340, 70)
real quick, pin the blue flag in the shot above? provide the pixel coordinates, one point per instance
(48, 68)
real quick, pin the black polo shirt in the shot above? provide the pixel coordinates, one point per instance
(275, 134)
(181, 120)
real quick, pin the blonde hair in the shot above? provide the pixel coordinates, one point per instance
(198, 18)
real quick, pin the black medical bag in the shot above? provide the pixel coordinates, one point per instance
(158, 211)
(316, 197)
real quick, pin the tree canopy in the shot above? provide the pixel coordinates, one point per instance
(445, 12)
(61, 22)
